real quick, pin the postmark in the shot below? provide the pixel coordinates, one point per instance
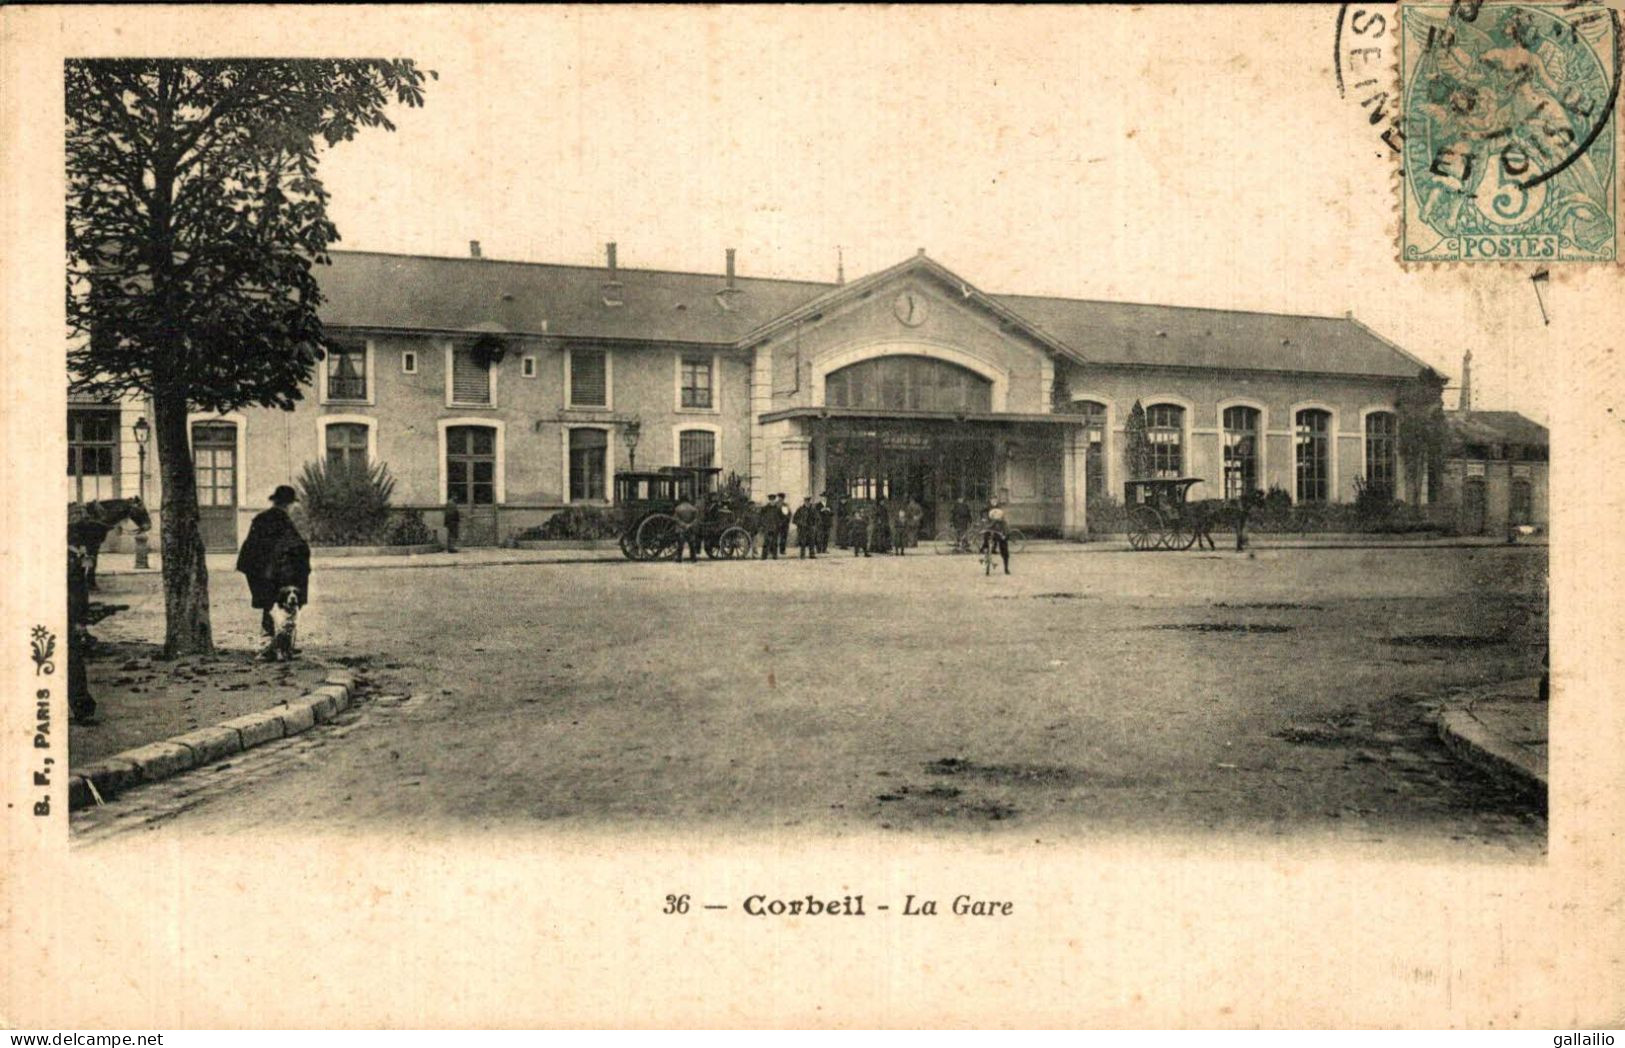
(1510, 143)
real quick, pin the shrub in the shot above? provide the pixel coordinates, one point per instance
(408, 529)
(576, 522)
(345, 505)
(1104, 515)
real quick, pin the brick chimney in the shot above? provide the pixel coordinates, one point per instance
(730, 267)
(473, 249)
(612, 284)
(1466, 382)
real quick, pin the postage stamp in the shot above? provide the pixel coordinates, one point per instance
(1511, 151)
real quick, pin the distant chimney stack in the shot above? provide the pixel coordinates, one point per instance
(1467, 382)
(840, 265)
(612, 285)
(473, 249)
(730, 267)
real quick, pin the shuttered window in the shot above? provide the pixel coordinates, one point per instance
(589, 378)
(470, 383)
(696, 447)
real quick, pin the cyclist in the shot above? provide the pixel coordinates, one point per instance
(995, 529)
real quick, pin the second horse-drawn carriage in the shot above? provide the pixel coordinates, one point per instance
(649, 530)
(1158, 517)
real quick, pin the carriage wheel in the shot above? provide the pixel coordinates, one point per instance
(733, 544)
(657, 536)
(629, 545)
(1179, 535)
(1144, 527)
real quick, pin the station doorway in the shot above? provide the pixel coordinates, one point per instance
(899, 463)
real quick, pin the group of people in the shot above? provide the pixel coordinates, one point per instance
(814, 520)
(886, 527)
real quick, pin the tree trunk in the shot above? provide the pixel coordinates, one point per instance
(186, 575)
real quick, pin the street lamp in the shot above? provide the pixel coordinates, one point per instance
(630, 434)
(143, 432)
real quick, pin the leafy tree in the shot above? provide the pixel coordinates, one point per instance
(194, 218)
(1422, 431)
(1136, 445)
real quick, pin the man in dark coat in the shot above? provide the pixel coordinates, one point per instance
(273, 556)
(784, 523)
(806, 522)
(768, 521)
(826, 524)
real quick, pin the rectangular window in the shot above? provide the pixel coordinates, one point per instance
(409, 362)
(588, 451)
(1382, 452)
(589, 378)
(347, 372)
(695, 382)
(527, 366)
(93, 453)
(471, 465)
(347, 445)
(696, 447)
(470, 383)
(1094, 432)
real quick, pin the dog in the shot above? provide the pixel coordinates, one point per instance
(285, 617)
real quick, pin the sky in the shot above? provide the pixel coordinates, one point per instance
(1182, 156)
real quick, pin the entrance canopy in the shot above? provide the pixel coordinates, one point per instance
(923, 416)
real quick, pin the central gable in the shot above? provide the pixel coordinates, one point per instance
(936, 325)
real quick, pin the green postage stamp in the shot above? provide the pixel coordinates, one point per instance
(1510, 148)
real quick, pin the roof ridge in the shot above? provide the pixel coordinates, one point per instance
(576, 265)
(1175, 305)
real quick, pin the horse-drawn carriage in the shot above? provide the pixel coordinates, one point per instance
(649, 531)
(1158, 515)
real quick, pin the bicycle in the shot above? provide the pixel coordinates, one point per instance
(959, 543)
(990, 540)
(962, 542)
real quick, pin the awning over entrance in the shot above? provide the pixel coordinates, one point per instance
(922, 416)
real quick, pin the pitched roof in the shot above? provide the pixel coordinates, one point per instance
(1495, 427)
(414, 292)
(1185, 336)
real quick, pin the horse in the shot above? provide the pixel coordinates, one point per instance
(1205, 514)
(89, 523)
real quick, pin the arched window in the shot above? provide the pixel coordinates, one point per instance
(1314, 443)
(347, 444)
(1240, 451)
(1165, 429)
(1094, 432)
(1382, 452)
(908, 383)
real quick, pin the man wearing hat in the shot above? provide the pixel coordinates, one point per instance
(767, 521)
(806, 521)
(276, 560)
(784, 524)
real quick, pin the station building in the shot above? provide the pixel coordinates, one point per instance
(518, 389)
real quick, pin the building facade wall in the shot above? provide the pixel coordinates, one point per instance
(1205, 394)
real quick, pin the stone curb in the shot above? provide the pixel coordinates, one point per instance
(1470, 741)
(110, 776)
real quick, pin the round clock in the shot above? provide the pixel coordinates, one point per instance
(910, 308)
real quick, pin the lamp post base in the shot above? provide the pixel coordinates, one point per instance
(141, 563)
